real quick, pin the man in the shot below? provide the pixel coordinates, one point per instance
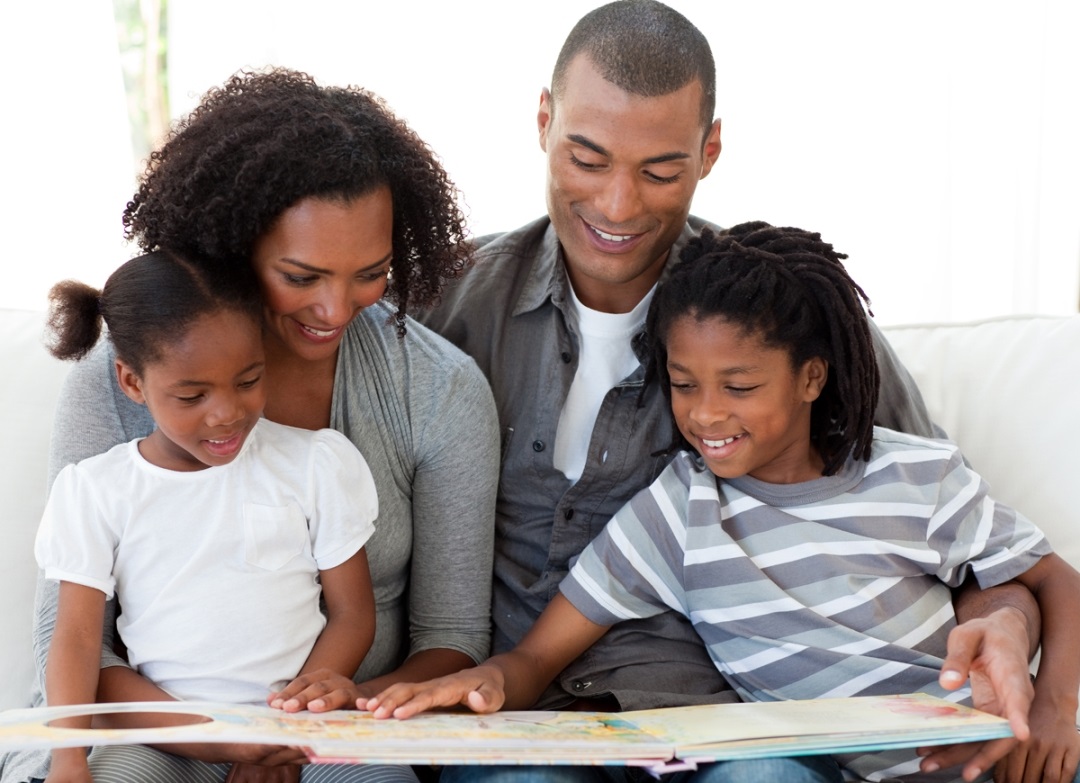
(551, 311)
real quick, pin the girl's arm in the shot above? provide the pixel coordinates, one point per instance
(513, 680)
(343, 643)
(71, 673)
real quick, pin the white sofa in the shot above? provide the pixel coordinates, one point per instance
(1006, 390)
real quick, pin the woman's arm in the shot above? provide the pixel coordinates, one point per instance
(513, 680)
(453, 516)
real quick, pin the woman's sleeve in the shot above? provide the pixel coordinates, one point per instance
(454, 488)
(89, 420)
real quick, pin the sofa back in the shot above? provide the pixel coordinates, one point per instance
(1004, 389)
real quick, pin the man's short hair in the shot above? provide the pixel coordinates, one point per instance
(644, 48)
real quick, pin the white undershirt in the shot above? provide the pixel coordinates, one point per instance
(606, 358)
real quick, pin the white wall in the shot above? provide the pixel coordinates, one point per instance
(933, 142)
(65, 147)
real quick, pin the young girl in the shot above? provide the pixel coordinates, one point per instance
(813, 552)
(219, 532)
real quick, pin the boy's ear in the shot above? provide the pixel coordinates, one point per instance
(130, 383)
(815, 374)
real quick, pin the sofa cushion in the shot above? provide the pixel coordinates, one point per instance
(27, 398)
(1006, 391)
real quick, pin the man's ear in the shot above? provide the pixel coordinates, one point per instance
(711, 150)
(814, 375)
(543, 116)
(130, 383)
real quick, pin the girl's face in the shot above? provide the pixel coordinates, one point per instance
(740, 404)
(205, 393)
(320, 264)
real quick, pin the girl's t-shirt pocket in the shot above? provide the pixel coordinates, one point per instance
(273, 535)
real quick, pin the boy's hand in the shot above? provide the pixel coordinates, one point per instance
(68, 765)
(481, 689)
(318, 691)
(256, 773)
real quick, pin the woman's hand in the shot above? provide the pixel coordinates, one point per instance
(481, 689)
(319, 691)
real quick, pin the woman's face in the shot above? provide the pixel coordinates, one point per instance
(320, 264)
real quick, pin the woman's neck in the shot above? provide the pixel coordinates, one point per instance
(299, 392)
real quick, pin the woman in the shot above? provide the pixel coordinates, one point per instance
(344, 218)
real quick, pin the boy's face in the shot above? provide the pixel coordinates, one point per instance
(740, 403)
(205, 393)
(622, 170)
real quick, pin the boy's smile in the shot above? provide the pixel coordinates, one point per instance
(740, 404)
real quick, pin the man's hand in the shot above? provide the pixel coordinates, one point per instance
(1051, 753)
(993, 653)
(480, 689)
(317, 691)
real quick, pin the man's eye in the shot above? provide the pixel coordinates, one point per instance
(581, 164)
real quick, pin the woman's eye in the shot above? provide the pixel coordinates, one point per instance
(299, 279)
(248, 384)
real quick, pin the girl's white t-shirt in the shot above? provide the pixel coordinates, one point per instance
(216, 570)
(606, 358)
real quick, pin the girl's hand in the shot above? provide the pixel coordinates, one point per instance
(68, 765)
(257, 773)
(319, 691)
(481, 689)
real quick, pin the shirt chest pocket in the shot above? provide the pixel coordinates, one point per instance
(273, 535)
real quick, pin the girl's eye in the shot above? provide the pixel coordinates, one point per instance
(681, 387)
(248, 384)
(741, 389)
(189, 400)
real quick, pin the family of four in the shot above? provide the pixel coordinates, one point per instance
(330, 453)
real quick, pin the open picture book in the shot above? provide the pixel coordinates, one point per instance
(663, 739)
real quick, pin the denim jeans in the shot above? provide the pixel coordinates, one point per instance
(805, 769)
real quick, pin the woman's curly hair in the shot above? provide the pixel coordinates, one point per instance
(265, 140)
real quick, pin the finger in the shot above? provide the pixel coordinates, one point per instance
(319, 697)
(972, 754)
(989, 753)
(961, 648)
(289, 691)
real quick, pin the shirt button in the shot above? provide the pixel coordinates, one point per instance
(566, 357)
(538, 445)
(579, 686)
(569, 514)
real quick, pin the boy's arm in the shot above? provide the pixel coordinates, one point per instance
(513, 680)
(343, 643)
(71, 672)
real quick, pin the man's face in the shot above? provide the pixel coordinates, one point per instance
(622, 170)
